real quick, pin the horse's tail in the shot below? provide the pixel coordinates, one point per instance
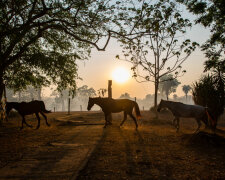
(137, 110)
(43, 108)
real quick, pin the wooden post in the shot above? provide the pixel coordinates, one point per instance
(80, 107)
(110, 96)
(69, 106)
(110, 89)
(135, 99)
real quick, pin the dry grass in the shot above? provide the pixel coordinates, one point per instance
(155, 151)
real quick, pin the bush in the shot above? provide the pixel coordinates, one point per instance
(206, 93)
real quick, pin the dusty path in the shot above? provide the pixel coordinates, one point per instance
(58, 157)
(155, 151)
(78, 147)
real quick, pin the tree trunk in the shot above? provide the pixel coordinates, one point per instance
(156, 93)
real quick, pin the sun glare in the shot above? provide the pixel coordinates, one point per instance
(120, 75)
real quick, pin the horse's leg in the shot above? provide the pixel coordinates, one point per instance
(173, 123)
(109, 120)
(24, 122)
(38, 120)
(178, 124)
(124, 118)
(46, 121)
(106, 119)
(27, 124)
(135, 121)
(199, 125)
(23, 119)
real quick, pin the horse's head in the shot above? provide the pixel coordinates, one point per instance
(160, 106)
(90, 103)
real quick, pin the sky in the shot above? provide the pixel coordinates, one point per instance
(96, 71)
(99, 68)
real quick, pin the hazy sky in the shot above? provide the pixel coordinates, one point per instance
(98, 69)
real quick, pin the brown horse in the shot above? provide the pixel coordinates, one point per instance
(110, 105)
(26, 108)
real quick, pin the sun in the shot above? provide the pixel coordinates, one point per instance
(121, 75)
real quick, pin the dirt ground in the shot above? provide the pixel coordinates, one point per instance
(77, 146)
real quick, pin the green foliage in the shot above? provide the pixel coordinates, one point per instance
(210, 14)
(40, 41)
(207, 93)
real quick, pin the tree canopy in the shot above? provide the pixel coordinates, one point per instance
(186, 89)
(40, 40)
(152, 42)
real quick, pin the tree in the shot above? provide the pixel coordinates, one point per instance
(101, 92)
(210, 14)
(168, 84)
(153, 31)
(125, 96)
(40, 40)
(175, 97)
(85, 91)
(207, 93)
(186, 89)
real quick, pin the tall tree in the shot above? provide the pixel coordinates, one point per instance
(152, 43)
(186, 89)
(40, 40)
(210, 14)
(168, 84)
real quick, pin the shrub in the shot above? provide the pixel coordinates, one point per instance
(207, 93)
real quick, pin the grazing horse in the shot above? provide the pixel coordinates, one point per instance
(26, 108)
(179, 109)
(110, 105)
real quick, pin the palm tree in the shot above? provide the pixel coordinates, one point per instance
(186, 89)
(168, 84)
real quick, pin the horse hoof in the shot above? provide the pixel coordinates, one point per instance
(48, 125)
(37, 127)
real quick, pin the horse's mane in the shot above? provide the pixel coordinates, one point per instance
(173, 102)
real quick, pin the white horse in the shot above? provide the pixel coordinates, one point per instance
(179, 109)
